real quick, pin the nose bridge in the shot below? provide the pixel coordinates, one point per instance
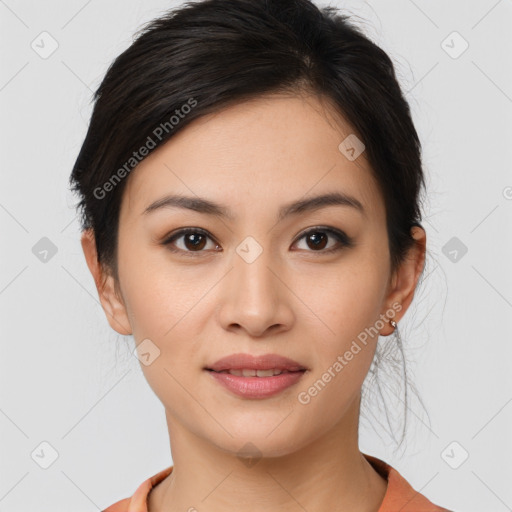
(256, 298)
(255, 283)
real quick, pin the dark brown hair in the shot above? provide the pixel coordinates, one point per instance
(209, 54)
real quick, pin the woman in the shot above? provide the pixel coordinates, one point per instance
(249, 189)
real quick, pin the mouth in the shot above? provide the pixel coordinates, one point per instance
(252, 377)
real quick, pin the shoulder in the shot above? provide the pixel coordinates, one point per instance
(400, 495)
(138, 501)
(119, 506)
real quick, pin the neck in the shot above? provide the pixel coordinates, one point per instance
(330, 473)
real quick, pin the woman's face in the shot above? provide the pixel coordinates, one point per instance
(254, 281)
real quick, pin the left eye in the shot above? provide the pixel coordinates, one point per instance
(317, 238)
(194, 240)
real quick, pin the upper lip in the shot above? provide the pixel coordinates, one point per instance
(247, 361)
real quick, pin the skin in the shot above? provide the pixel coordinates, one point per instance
(293, 300)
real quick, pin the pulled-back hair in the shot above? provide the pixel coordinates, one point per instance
(207, 55)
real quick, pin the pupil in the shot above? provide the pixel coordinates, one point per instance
(195, 240)
(317, 240)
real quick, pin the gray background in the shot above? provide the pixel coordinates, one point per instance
(68, 380)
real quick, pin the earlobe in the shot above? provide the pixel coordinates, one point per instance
(111, 302)
(405, 279)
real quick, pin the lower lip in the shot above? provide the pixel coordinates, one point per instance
(257, 387)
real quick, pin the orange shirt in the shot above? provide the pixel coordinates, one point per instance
(399, 497)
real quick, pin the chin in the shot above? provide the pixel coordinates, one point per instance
(251, 444)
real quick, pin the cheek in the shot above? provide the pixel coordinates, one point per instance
(333, 302)
(157, 295)
(343, 299)
(169, 306)
(345, 304)
(162, 305)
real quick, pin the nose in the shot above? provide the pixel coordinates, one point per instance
(256, 297)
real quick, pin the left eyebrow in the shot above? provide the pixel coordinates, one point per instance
(321, 201)
(208, 207)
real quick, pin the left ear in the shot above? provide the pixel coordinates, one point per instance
(405, 279)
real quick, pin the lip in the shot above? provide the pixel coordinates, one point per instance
(243, 361)
(256, 387)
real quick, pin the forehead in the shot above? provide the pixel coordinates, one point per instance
(272, 149)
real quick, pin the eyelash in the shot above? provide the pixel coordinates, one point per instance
(342, 238)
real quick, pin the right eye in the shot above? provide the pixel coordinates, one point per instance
(193, 240)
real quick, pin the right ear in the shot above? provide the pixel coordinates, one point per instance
(110, 299)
